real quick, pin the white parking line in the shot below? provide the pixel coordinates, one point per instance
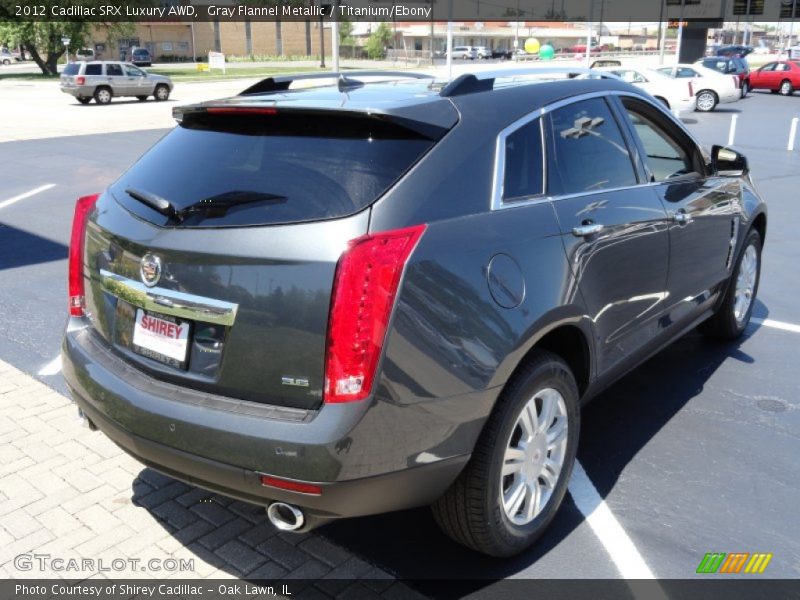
(777, 325)
(51, 368)
(619, 546)
(33, 192)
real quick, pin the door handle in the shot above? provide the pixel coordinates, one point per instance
(587, 229)
(682, 217)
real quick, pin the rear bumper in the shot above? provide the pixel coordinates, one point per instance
(78, 91)
(226, 447)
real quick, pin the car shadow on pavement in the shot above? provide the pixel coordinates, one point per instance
(236, 537)
(22, 248)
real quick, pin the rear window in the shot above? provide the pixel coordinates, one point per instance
(71, 69)
(239, 170)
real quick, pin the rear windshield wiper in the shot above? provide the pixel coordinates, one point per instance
(215, 206)
(218, 206)
(157, 203)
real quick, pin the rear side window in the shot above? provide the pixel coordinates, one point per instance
(524, 173)
(238, 170)
(113, 70)
(71, 69)
(94, 69)
(589, 152)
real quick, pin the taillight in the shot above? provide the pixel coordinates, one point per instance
(364, 290)
(77, 296)
(691, 89)
(80, 80)
(736, 82)
(241, 110)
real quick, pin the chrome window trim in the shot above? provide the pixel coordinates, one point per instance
(498, 177)
(169, 302)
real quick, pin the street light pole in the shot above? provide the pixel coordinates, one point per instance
(65, 40)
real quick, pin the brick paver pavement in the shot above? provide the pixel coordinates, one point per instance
(70, 493)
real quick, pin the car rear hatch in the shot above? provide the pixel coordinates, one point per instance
(211, 262)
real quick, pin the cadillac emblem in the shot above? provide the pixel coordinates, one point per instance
(150, 269)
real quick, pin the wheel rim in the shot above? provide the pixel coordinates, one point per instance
(785, 88)
(745, 284)
(161, 93)
(705, 102)
(534, 456)
(104, 96)
(745, 88)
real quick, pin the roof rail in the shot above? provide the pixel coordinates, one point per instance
(345, 80)
(483, 81)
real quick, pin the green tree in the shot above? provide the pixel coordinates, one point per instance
(346, 33)
(378, 40)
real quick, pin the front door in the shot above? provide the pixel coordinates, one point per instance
(702, 210)
(120, 83)
(613, 226)
(138, 82)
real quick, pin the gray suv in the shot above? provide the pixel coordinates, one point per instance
(369, 296)
(104, 80)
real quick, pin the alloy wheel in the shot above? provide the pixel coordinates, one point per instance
(705, 101)
(534, 456)
(745, 284)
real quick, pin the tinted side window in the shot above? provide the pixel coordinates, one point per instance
(524, 173)
(589, 152)
(113, 70)
(94, 69)
(668, 151)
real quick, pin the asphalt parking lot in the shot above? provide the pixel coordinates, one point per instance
(693, 452)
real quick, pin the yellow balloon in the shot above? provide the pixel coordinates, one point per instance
(532, 46)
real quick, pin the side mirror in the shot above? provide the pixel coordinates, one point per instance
(727, 162)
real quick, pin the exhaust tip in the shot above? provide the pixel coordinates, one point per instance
(285, 516)
(87, 422)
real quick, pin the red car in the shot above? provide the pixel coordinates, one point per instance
(782, 76)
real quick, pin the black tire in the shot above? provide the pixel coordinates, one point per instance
(6, 62)
(83, 100)
(141, 98)
(709, 101)
(723, 324)
(786, 88)
(745, 88)
(103, 95)
(470, 512)
(161, 93)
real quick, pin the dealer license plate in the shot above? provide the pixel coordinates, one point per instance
(161, 338)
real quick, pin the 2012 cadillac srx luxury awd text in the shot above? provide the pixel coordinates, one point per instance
(379, 291)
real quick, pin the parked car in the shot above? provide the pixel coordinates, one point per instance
(6, 57)
(299, 300)
(678, 97)
(482, 52)
(464, 52)
(736, 51)
(141, 57)
(730, 66)
(710, 87)
(778, 77)
(86, 54)
(501, 53)
(104, 80)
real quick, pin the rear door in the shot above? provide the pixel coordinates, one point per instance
(702, 209)
(764, 78)
(614, 228)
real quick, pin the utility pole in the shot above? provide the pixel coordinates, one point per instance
(791, 23)
(335, 37)
(662, 34)
(321, 37)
